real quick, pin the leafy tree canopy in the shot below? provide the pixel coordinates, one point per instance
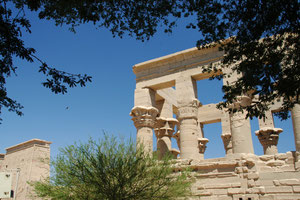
(110, 169)
(263, 49)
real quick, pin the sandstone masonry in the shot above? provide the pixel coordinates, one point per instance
(166, 97)
(27, 161)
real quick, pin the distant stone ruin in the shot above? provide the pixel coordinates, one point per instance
(166, 96)
(24, 162)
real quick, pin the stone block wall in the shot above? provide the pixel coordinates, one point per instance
(244, 177)
(28, 161)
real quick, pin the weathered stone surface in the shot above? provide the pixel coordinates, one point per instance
(253, 176)
(215, 186)
(232, 191)
(280, 189)
(265, 168)
(203, 193)
(287, 168)
(296, 189)
(281, 156)
(275, 163)
(276, 182)
(236, 185)
(258, 183)
(219, 191)
(267, 197)
(266, 157)
(289, 182)
(251, 183)
(258, 190)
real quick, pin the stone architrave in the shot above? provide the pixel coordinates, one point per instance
(144, 119)
(240, 128)
(226, 137)
(268, 138)
(295, 112)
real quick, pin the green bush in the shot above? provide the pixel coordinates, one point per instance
(111, 169)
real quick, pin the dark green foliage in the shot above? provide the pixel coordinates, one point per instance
(110, 170)
(269, 66)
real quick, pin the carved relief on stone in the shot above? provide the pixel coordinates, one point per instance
(189, 110)
(268, 138)
(226, 137)
(202, 144)
(165, 127)
(144, 116)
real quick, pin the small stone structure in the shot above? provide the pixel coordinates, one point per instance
(27, 161)
(166, 96)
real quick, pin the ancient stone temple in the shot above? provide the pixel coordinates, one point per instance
(166, 104)
(23, 163)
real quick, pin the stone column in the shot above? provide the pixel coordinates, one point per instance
(240, 128)
(165, 128)
(268, 135)
(144, 117)
(296, 126)
(164, 132)
(187, 115)
(202, 141)
(226, 133)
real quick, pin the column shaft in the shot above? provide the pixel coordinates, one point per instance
(144, 136)
(270, 150)
(296, 126)
(241, 133)
(188, 139)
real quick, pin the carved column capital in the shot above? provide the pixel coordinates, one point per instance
(202, 144)
(226, 137)
(268, 138)
(189, 110)
(144, 116)
(268, 135)
(165, 127)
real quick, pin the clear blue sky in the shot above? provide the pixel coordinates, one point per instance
(103, 105)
